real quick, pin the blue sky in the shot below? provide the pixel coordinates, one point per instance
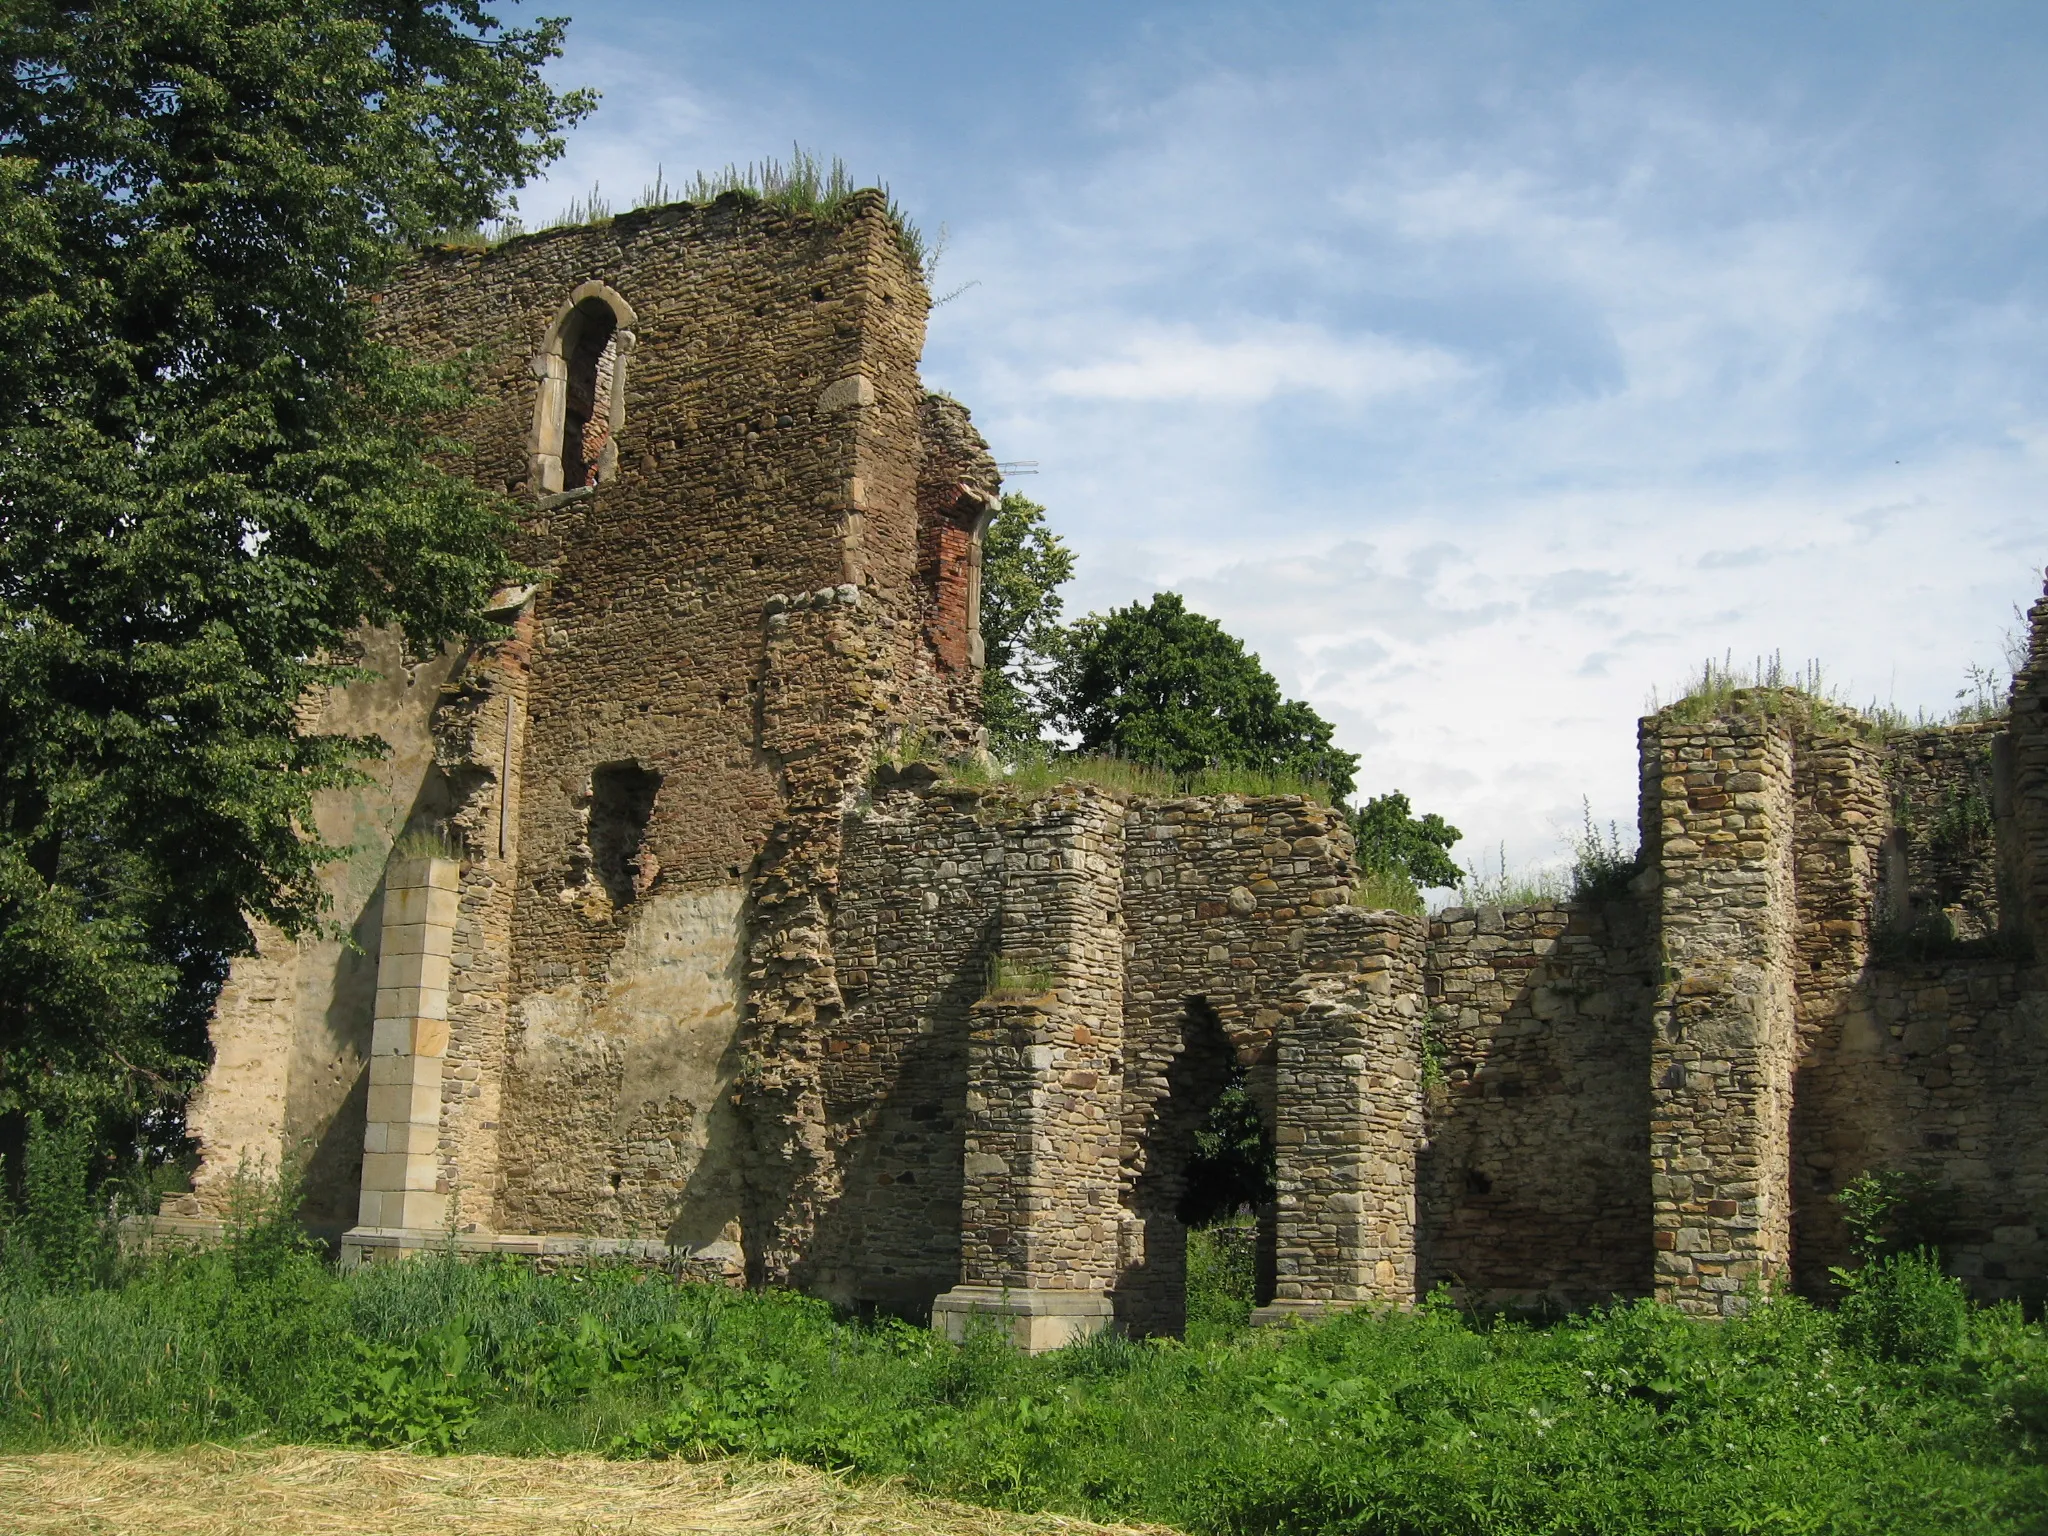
(1484, 366)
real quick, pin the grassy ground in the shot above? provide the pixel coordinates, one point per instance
(1637, 1420)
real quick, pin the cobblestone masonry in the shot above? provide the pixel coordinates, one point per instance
(718, 989)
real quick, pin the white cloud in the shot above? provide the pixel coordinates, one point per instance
(1178, 363)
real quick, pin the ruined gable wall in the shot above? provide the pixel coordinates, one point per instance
(747, 467)
(1535, 1185)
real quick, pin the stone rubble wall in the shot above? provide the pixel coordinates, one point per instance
(1723, 1044)
(1936, 1069)
(1348, 1075)
(2023, 860)
(1945, 859)
(917, 921)
(1228, 901)
(772, 1049)
(1534, 1183)
(1040, 1203)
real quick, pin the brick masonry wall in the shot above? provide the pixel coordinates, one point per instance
(1535, 1180)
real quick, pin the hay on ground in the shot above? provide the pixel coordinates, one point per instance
(300, 1491)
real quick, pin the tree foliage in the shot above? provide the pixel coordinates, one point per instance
(1161, 684)
(1023, 566)
(212, 473)
(1392, 840)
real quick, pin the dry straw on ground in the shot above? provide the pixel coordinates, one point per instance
(294, 1491)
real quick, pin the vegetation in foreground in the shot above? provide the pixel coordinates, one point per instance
(1904, 1412)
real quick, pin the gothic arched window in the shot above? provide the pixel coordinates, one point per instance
(582, 406)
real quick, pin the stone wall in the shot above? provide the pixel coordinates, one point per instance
(916, 924)
(718, 985)
(1227, 903)
(1348, 1092)
(1535, 1182)
(1940, 863)
(291, 1031)
(1936, 1069)
(730, 611)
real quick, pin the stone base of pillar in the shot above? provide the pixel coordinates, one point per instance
(1295, 1310)
(1038, 1320)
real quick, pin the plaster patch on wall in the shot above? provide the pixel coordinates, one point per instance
(619, 1113)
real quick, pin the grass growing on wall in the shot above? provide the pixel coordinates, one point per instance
(1635, 1420)
(804, 183)
(1767, 688)
(1033, 774)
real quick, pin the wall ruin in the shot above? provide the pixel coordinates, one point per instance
(649, 956)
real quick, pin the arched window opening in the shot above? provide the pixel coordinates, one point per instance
(582, 372)
(593, 359)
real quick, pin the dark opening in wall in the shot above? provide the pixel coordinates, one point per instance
(591, 347)
(621, 801)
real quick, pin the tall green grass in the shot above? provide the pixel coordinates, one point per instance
(1633, 1420)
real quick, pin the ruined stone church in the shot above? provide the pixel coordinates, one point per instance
(656, 948)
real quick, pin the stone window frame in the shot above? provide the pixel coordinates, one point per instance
(550, 367)
(983, 509)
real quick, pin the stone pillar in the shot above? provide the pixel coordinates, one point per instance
(402, 1187)
(480, 732)
(1347, 1129)
(1722, 1047)
(1040, 1212)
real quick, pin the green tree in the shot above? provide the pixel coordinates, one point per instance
(1392, 840)
(1160, 684)
(1023, 566)
(212, 473)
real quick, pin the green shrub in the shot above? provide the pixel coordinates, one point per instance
(421, 1396)
(1222, 1271)
(1902, 1308)
(1894, 1210)
(55, 1238)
